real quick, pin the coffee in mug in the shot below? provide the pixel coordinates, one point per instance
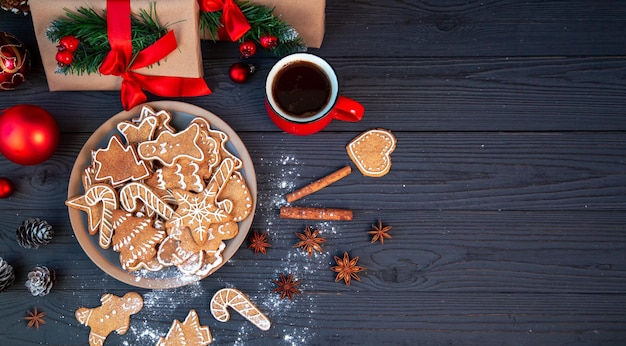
(301, 89)
(302, 95)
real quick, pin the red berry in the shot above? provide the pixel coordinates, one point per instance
(65, 57)
(247, 49)
(69, 42)
(268, 41)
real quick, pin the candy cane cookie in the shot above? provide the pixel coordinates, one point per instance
(132, 192)
(105, 194)
(239, 302)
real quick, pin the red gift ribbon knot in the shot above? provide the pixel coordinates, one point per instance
(120, 61)
(233, 20)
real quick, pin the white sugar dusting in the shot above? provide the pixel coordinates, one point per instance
(280, 184)
(291, 331)
(144, 332)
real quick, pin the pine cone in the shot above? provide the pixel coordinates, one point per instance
(15, 6)
(7, 276)
(34, 232)
(40, 281)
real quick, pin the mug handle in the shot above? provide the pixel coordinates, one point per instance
(347, 109)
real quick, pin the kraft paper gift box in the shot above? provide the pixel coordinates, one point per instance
(181, 16)
(307, 17)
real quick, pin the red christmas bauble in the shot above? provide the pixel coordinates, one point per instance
(268, 41)
(6, 187)
(28, 134)
(247, 49)
(14, 61)
(69, 43)
(65, 57)
(240, 72)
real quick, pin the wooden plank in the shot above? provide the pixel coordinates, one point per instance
(480, 94)
(493, 28)
(478, 171)
(403, 318)
(430, 251)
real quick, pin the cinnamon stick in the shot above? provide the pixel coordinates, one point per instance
(319, 184)
(309, 213)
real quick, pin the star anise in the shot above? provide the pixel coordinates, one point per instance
(35, 318)
(347, 268)
(258, 242)
(379, 232)
(310, 241)
(286, 286)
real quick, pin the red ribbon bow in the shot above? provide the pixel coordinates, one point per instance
(120, 62)
(233, 19)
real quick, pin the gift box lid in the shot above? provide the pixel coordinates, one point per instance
(181, 16)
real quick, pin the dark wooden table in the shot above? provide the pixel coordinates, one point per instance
(507, 194)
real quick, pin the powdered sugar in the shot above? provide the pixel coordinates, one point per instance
(294, 261)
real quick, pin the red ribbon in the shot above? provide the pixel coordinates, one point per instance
(120, 61)
(233, 19)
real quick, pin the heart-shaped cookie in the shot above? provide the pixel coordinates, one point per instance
(371, 152)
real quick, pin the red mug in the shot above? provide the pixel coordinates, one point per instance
(302, 95)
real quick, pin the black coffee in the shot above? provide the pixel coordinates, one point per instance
(301, 89)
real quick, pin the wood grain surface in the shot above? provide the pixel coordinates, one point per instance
(507, 194)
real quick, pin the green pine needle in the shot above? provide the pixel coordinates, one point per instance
(262, 22)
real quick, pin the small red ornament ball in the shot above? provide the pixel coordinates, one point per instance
(14, 62)
(268, 41)
(6, 187)
(240, 72)
(247, 49)
(29, 135)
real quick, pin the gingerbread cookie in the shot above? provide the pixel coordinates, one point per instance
(371, 152)
(135, 239)
(180, 250)
(98, 202)
(118, 163)
(236, 191)
(180, 194)
(112, 315)
(189, 332)
(185, 175)
(168, 147)
(239, 302)
(163, 119)
(220, 138)
(94, 212)
(199, 210)
(138, 132)
(131, 193)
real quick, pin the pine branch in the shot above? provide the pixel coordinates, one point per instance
(262, 22)
(90, 28)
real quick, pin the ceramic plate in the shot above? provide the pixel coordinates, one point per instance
(107, 259)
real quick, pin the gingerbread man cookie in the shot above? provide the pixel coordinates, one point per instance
(112, 315)
(168, 147)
